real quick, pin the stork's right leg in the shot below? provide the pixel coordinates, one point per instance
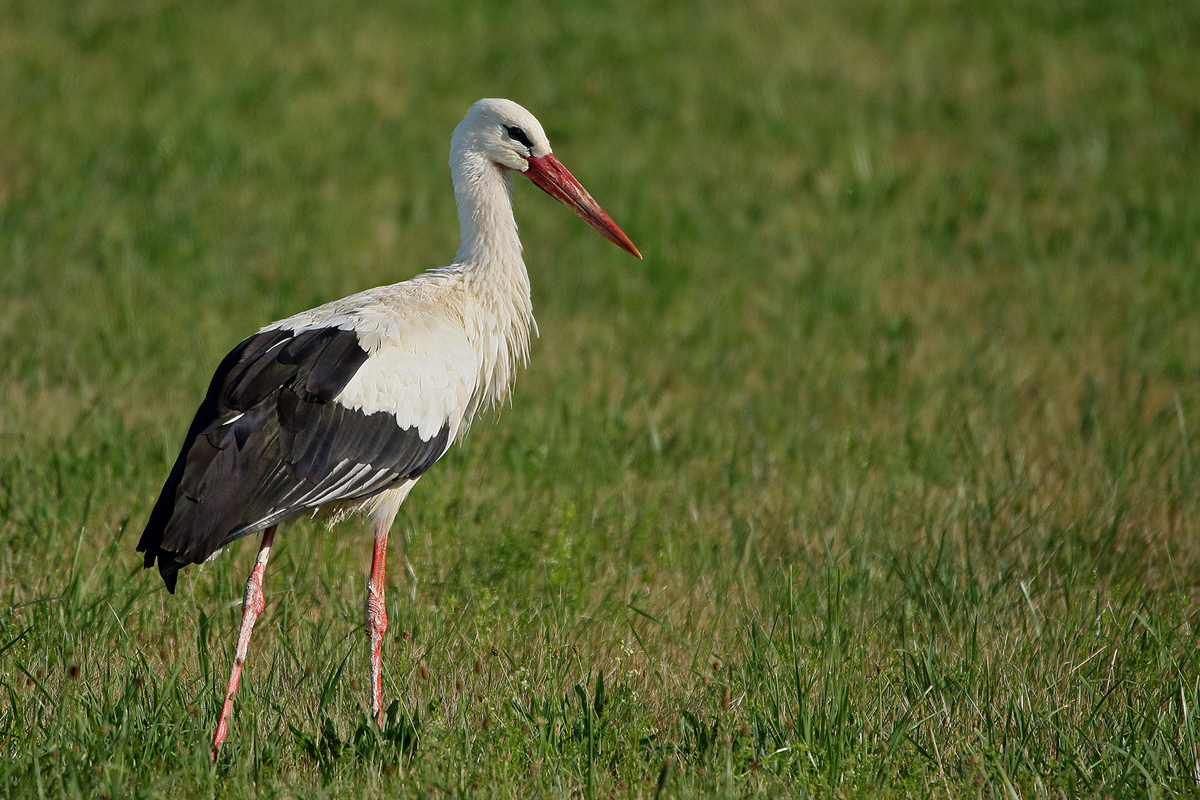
(253, 604)
(376, 609)
(377, 617)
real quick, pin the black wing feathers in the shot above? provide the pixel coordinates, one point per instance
(269, 442)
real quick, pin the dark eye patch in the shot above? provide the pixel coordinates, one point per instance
(518, 135)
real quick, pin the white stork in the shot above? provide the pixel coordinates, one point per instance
(343, 407)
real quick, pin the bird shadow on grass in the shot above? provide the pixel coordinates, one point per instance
(390, 745)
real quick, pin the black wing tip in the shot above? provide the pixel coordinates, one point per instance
(168, 567)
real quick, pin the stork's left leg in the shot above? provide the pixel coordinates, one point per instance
(253, 604)
(377, 617)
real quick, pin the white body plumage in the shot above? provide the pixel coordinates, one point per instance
(440, 347)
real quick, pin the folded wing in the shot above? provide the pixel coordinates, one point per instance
(271, 442)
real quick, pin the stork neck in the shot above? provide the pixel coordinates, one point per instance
(485, 215)
(498, 310)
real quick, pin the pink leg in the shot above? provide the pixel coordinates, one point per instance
(377, 619)
(253, 604)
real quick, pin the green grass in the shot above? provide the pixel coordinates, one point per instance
(880, 476)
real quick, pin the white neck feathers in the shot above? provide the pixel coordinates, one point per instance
(498, 312)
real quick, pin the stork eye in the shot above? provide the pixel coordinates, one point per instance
(518, 135)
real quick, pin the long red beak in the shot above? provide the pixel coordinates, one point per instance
(556, 181)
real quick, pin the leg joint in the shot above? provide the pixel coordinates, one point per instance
(376, 610)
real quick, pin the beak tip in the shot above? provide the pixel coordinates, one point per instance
(622, 241)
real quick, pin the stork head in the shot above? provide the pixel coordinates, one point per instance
(510, 137)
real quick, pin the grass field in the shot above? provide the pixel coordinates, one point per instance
(880, 476)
